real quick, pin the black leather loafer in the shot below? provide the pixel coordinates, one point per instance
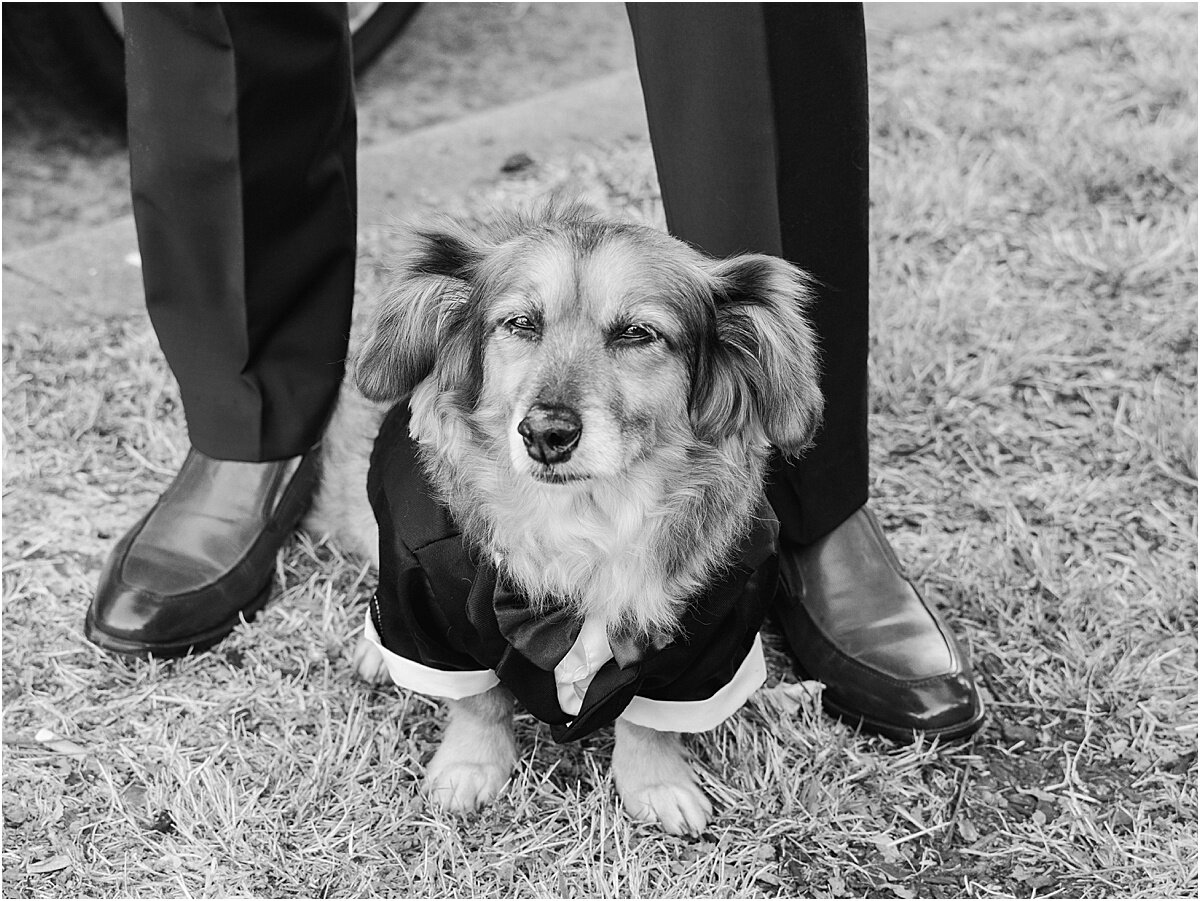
(857, 624)
(202, 559)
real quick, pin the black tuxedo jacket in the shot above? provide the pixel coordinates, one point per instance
(441, 605)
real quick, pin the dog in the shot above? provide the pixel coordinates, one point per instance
(591, 407)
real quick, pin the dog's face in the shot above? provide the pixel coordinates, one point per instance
(586, 359)
(574, 347)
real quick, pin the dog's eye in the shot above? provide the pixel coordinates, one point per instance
(638, 333)
(525, 325)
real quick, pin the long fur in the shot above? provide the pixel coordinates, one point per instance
(674, 483)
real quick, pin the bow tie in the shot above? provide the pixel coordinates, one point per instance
(544, 638)
(556, 641)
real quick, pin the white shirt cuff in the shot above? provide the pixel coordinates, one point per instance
(453, 684)
(700, 716)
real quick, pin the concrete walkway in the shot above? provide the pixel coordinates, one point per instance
(96, 272)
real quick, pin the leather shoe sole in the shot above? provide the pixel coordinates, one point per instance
(193, 644)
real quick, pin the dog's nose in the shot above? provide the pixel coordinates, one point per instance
(550, 433)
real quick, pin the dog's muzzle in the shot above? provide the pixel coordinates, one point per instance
(550, 434)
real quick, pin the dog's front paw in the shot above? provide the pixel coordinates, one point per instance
(655, 781)
(461, 777)
(677, 805)
(477, 754)
(464, 785)
(369, 664)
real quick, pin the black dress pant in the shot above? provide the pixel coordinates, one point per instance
(242, 139)
(242, 152)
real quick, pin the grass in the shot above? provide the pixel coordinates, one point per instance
(1034, 442)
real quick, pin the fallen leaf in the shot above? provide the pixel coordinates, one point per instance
(790, 697)
(886, 846)
(60, 745)
(49, 865)
(967, 830)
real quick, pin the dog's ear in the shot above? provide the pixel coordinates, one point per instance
(404, 334)
(763, 368)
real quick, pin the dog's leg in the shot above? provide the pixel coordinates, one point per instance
(368, 663)
(477, 754)
(478, 750)
(655, 781)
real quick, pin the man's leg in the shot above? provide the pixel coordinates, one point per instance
(758, 116)
(242, 148)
